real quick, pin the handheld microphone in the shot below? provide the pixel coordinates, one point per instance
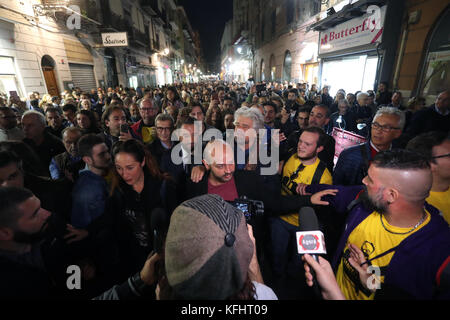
(310, 239)
(159, 226)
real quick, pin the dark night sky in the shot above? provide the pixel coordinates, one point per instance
(209, 18)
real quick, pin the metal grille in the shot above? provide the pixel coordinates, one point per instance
(83, 76)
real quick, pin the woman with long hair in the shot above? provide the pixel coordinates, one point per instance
(172, 98)
(214, 118)
(87, 122)
(138, 190)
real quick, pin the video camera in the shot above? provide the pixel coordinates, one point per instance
(250, 208)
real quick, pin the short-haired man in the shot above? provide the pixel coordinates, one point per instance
(343, 118)
(144, 129)
(223, 179)
(56, 122)
(319, 117)
(43, 143)
(361, 110)
(228, 104)
(162, 146)
(392, 232)
(435, 146)
(304, 167)
(70, 113)
(8, 125)
(90, 191)
(353, 162)
(69, 163)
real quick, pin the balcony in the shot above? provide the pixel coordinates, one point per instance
(136, 37)
(151, 7)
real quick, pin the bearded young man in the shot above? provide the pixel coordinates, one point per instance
(392, 231)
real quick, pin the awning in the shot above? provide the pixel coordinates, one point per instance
(348, 12)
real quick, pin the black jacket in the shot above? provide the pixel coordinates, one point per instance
(249, 183)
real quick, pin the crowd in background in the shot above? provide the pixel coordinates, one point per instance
(94, 169)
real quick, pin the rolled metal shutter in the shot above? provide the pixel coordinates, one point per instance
(83, 76)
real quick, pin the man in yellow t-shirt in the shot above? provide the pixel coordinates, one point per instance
(436, 146)
(304, 167)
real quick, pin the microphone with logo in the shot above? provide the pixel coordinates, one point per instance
(310, 239)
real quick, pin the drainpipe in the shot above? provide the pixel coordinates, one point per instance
(400, 56)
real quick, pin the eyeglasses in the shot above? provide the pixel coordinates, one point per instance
(441, 156)
(385, 128)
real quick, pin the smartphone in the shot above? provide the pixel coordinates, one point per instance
(124, 128)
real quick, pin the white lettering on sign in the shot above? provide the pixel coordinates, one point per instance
(355, 32)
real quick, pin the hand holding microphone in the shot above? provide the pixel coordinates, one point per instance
(325, 277)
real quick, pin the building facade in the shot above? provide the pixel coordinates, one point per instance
(51, 45)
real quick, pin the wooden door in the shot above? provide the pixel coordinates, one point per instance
(50, 81)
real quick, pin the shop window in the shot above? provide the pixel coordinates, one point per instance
(8, 79)
(363, 73)
(287, 66)
(289, 11)
(436, 72)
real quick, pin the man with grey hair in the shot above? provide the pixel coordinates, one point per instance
(353, 163)
(43, 143)
(343, 119)
(144, 129)
(247, 123)
(361, 110)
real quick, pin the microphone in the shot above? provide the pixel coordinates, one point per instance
(310, 239)
(159, 226)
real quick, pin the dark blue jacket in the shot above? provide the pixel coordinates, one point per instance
(89, 197)
(351, 167)
(414, 270)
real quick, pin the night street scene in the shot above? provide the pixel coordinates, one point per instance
(203, 151)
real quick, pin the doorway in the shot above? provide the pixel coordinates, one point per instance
(48, 68)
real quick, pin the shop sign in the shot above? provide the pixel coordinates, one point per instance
(356, 32)
(115, 39)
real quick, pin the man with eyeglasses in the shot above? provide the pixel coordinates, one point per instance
(144, 129)
(8, 125)
(435, 145)
(353, 163)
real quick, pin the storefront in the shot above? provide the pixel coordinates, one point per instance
(435, 75)
(348, 52)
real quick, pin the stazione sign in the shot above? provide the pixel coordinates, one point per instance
(356, 32)
(115, 39)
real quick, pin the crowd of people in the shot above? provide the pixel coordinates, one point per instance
(144, 191)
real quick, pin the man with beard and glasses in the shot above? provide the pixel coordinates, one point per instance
(391, 231)
(33, 256)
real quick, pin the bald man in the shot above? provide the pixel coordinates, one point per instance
(391, 231)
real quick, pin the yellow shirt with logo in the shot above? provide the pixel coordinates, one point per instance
(148, 134)
(305, 176)
(373, 240)
(441, 201)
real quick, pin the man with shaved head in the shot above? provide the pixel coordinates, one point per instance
(391, 232)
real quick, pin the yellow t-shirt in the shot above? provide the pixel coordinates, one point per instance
(373, 240)
(441, 201)
(305, 176)
(148, 134)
